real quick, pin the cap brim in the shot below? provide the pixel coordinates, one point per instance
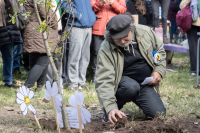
(120, 34)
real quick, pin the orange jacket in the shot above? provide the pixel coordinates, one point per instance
(105, 13)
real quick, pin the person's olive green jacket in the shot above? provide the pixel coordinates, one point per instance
(110, 63)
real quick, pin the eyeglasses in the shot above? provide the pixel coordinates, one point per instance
(123, 39)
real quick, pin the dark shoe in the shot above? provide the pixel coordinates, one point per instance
(165, 39)
(105, 118)
(39, 88)
(85, 86)
(12, 85)
(16, 72)
(26, 69)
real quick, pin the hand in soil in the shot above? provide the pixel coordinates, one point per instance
(121, 122)
(113, 113)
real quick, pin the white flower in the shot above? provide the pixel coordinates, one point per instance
(53, 91)
(61, 84)
(76, 99)
(23, 98)
(156, 58)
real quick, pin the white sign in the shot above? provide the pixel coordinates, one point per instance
(73, 122)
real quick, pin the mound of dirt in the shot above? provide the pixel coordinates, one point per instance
(159, 125)
(121, 122)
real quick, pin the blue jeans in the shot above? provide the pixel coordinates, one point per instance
(17, 51)
(143, 96)
(7, 52)
(173, 28)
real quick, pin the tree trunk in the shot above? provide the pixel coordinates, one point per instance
(55, 71)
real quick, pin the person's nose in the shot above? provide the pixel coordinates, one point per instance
(122, 41)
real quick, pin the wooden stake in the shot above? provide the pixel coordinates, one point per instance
(54, 107)
(37, 121)
(79, 118)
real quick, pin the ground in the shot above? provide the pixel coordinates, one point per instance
(178, 92)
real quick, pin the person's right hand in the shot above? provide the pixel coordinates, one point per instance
(103, 2)
(112, 114)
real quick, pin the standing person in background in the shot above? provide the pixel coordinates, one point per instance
(165, 7)
(79, 41)
(105, 10)
(17, 52)
(34, 45)
(192, 33)
(177, 4)
(172, 18)
(8, 37)
(131, 8)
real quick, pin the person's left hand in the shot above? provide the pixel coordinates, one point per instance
(110, 2)
(156, 78)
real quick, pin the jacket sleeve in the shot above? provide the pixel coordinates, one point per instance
(77, 14)
(104, 84)
(184, 3)
(96, 6)
(119, 6)
(158, 47)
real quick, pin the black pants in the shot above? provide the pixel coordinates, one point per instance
(143, 96)
(192, 40)
(65, 62)
(39, 67)
(26, 60)
(96, 43)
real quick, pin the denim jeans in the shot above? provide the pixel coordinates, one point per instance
(173, 28)
(7, 55)
(144, 96)
(17, 51)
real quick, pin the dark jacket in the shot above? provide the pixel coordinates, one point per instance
(172, 11)
(84, 15)
(9, 34)
(131, 8)
(177, 4)
(33, 40)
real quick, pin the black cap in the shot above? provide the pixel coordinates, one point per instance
(119, 26)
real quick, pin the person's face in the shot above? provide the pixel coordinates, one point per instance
(125, 41)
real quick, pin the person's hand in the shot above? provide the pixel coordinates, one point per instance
(110, 2)
(112, 114)
(156, 78)
(102, 2)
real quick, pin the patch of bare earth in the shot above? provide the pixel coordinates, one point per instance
(182, 125)
(12, 120)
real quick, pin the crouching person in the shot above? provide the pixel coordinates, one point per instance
(125, 59)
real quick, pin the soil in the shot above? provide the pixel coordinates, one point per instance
(13, 117)
(159, 125)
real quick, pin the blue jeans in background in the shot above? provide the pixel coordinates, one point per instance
(17, 51)
(7, 56)
(173, 28)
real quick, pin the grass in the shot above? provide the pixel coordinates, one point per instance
(178, 93)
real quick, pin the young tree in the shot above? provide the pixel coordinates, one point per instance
(44, 27)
